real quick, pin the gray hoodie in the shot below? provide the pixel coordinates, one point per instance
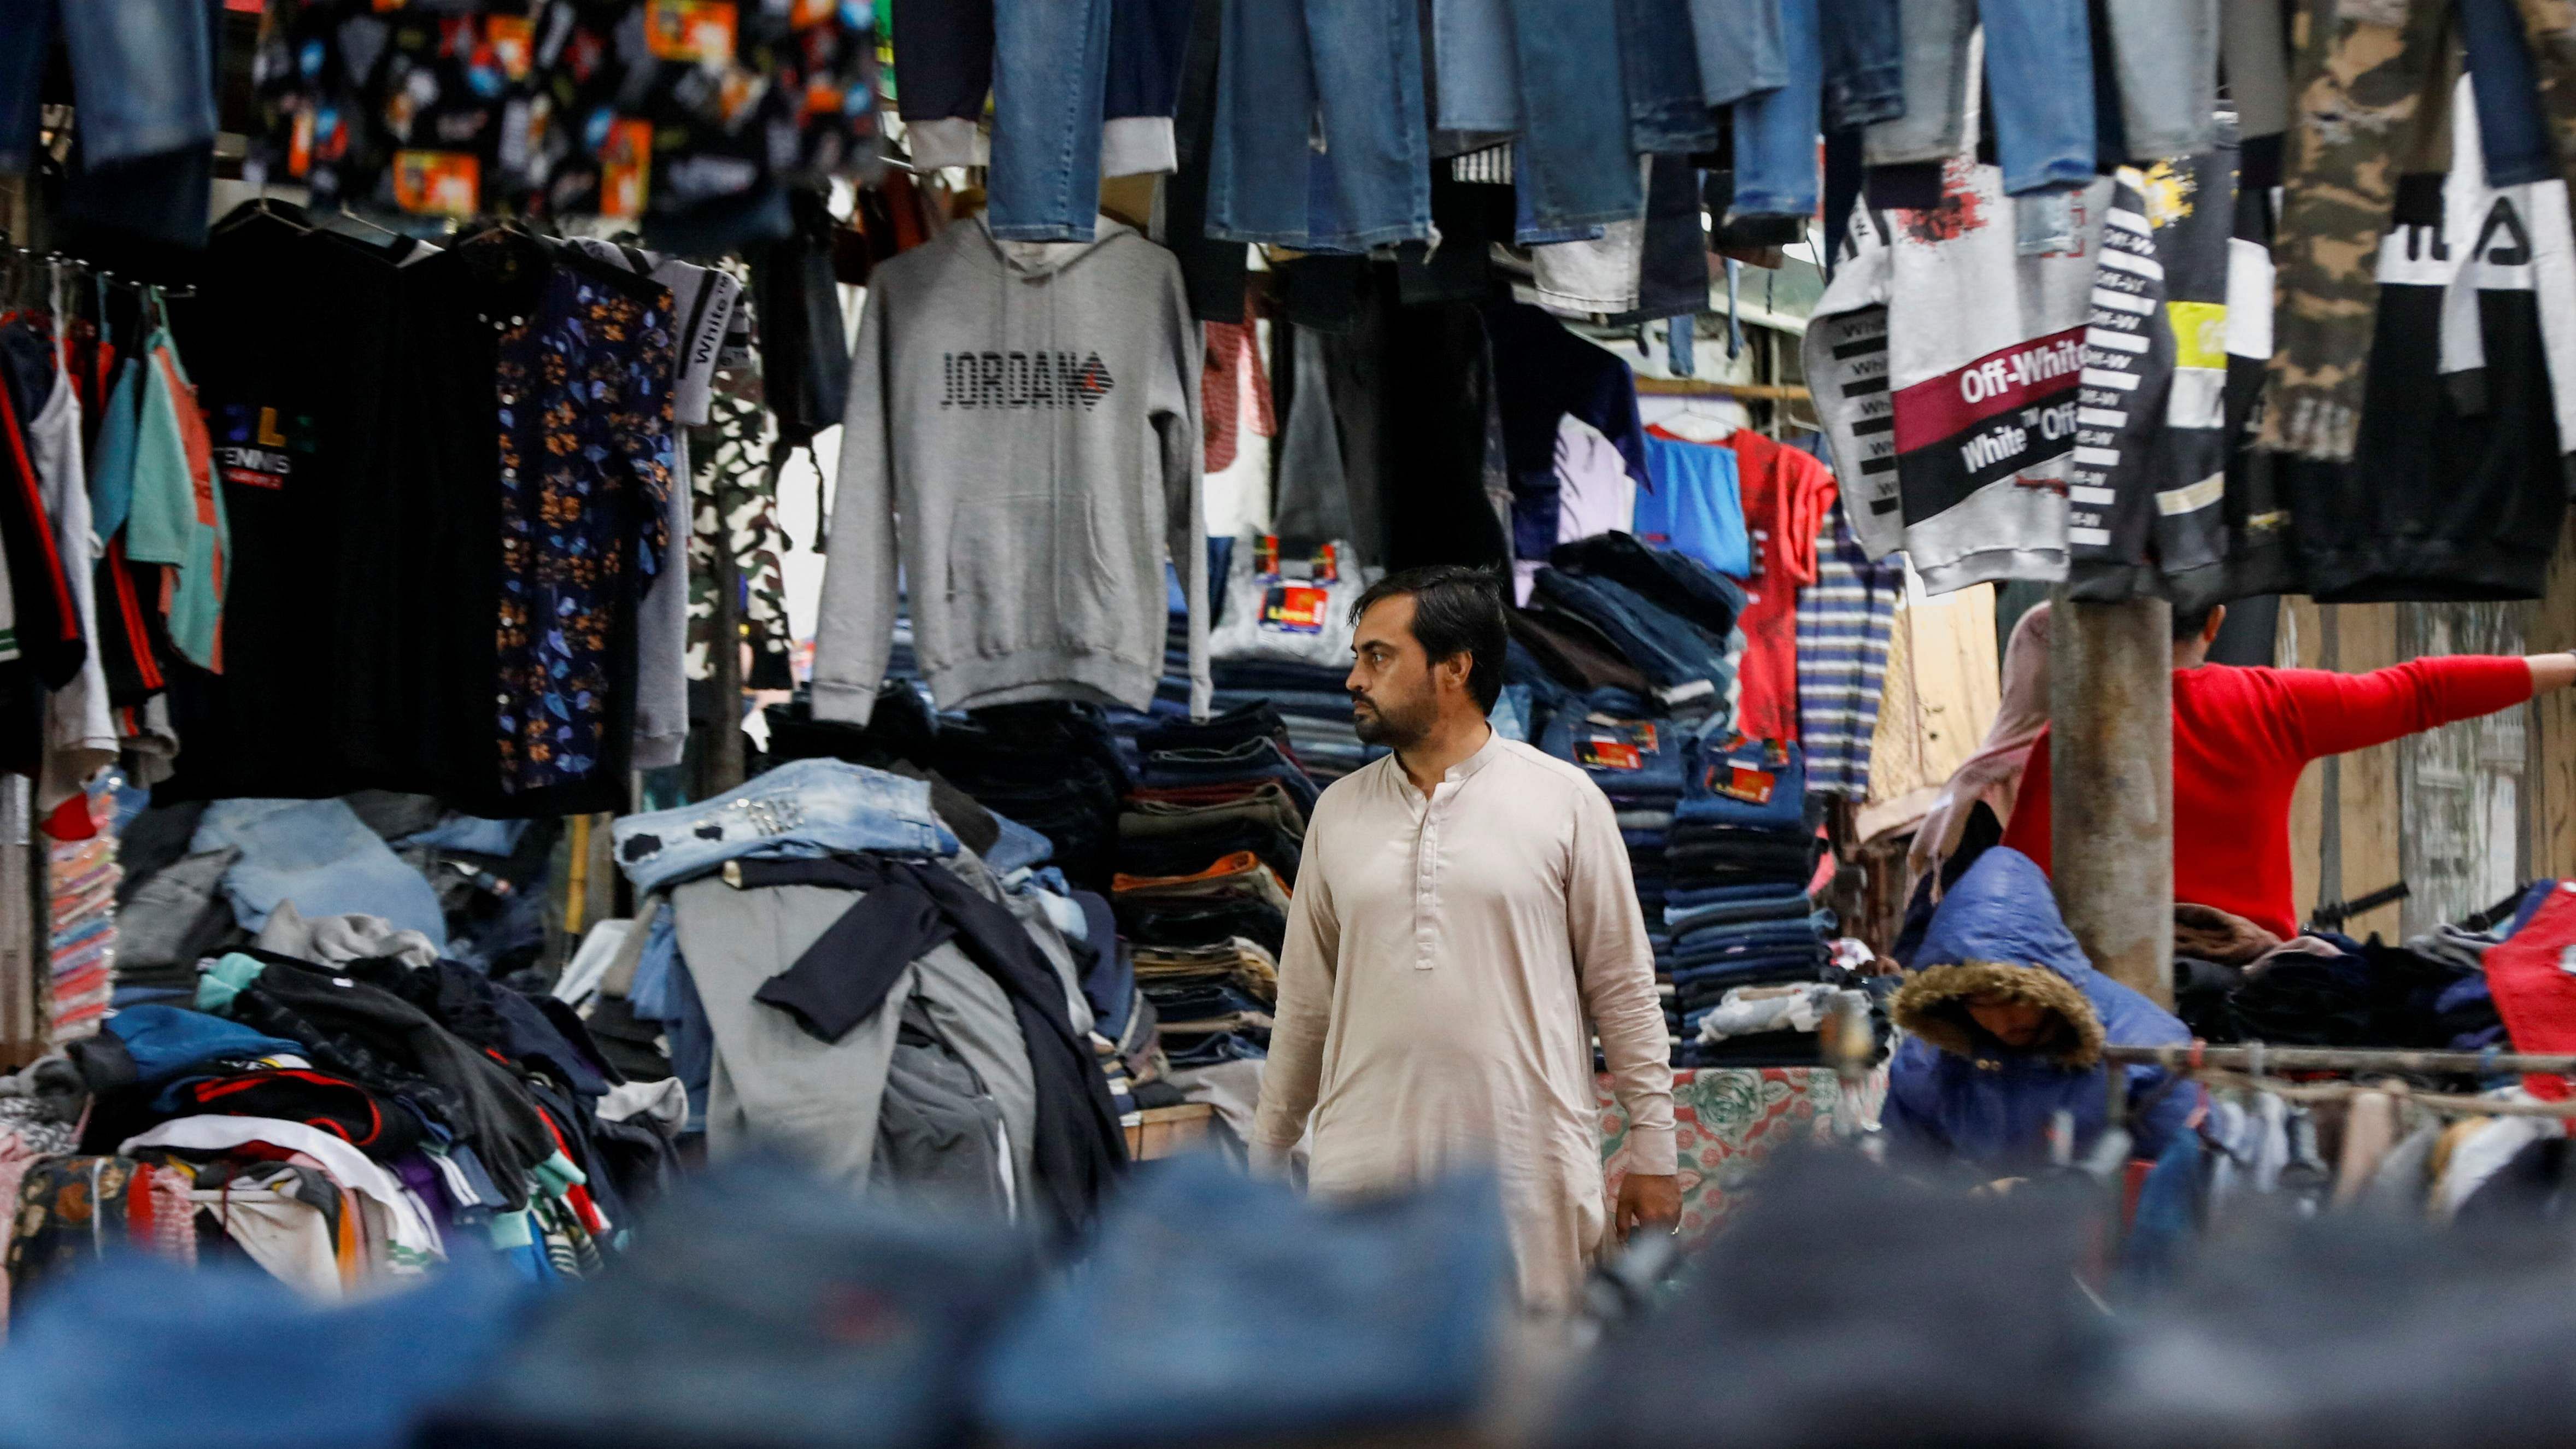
(1025, 417)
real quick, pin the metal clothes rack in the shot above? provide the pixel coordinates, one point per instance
(2244, 1068)
(2257, 1057)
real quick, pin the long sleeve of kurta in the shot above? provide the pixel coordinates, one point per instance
(1615, 965)
(1443, 956)
(1290, 1079)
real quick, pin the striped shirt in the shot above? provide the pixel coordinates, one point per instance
(1844, 619)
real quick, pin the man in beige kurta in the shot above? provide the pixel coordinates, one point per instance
(1444, 951)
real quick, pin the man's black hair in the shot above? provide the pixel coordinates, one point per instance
(2187, 623)
(1456, 611)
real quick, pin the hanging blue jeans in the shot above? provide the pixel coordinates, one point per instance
(2043, 133)
(1864, 62)
(1319, 139)
(1740, 49)
(1776, 132)
(1050, 67)
(1667, 112)
(1563, 64)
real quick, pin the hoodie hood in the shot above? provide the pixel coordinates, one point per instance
(1954, 1091)
(1045, 259)
(1998, 933)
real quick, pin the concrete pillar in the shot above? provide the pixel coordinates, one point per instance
(2110, 712)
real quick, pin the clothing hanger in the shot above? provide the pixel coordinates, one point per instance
(1698, 425)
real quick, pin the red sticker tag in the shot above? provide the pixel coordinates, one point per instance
(1294, 610)
(1742, 782)
(1608, 755)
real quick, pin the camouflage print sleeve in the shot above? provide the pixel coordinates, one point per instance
(2363, 69)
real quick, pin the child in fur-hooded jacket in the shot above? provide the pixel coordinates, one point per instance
(2006, 1022)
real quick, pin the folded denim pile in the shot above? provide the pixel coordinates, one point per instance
(1207, 850)
(1313, 708)
(1214, 1003)
(1623, 664)
(1736, 909)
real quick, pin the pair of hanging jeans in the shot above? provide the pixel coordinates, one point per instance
(1047, 64)
(143, 72)
(2043, 122)
(1864, 62)
(1320, 140)
(1668, 113)
(1566, 65)
(1776, 131)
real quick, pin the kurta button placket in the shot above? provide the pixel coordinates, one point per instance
(1426, 879)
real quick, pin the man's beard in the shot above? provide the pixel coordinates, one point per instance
(1398, 729)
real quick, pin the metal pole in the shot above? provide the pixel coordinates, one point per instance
(2335, 1059)
(2110, 714)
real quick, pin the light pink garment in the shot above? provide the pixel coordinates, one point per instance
(1993, 773)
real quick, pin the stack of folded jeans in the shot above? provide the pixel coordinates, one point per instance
(1051, 766)
(1665, 613)
(1215, 1003)
(1313, 707)
(1637, 757)
(1222, 758)
(1208, 845)
(1737, 863)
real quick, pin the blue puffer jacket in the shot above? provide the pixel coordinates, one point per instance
(1955, 1091)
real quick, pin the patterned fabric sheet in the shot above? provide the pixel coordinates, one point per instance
(1726, 1122)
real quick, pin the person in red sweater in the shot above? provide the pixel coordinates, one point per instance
(2241, 737)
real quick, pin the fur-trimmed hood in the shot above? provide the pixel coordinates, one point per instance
(1955, 1090)
(1934, 1006)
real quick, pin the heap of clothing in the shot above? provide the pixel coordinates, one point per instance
(844, 980)
(200, 879)
(2236, 981)
(356, 1116)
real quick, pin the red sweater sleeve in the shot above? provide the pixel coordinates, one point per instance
(2325, 713)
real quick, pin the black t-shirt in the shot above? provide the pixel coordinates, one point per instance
(288, 343)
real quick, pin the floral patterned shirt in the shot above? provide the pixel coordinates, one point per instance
(585, 394)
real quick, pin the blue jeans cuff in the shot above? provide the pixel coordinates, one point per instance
(2062, 173)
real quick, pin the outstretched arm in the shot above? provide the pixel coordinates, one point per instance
(2329, 713)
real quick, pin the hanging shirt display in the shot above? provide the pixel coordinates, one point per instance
(1029, 413)
(1787, 494)
(2455, 490)
(176, 518)
(2148, 482)
(1697, 503)
(689, 113)
(450, 476)
(1945, 366)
